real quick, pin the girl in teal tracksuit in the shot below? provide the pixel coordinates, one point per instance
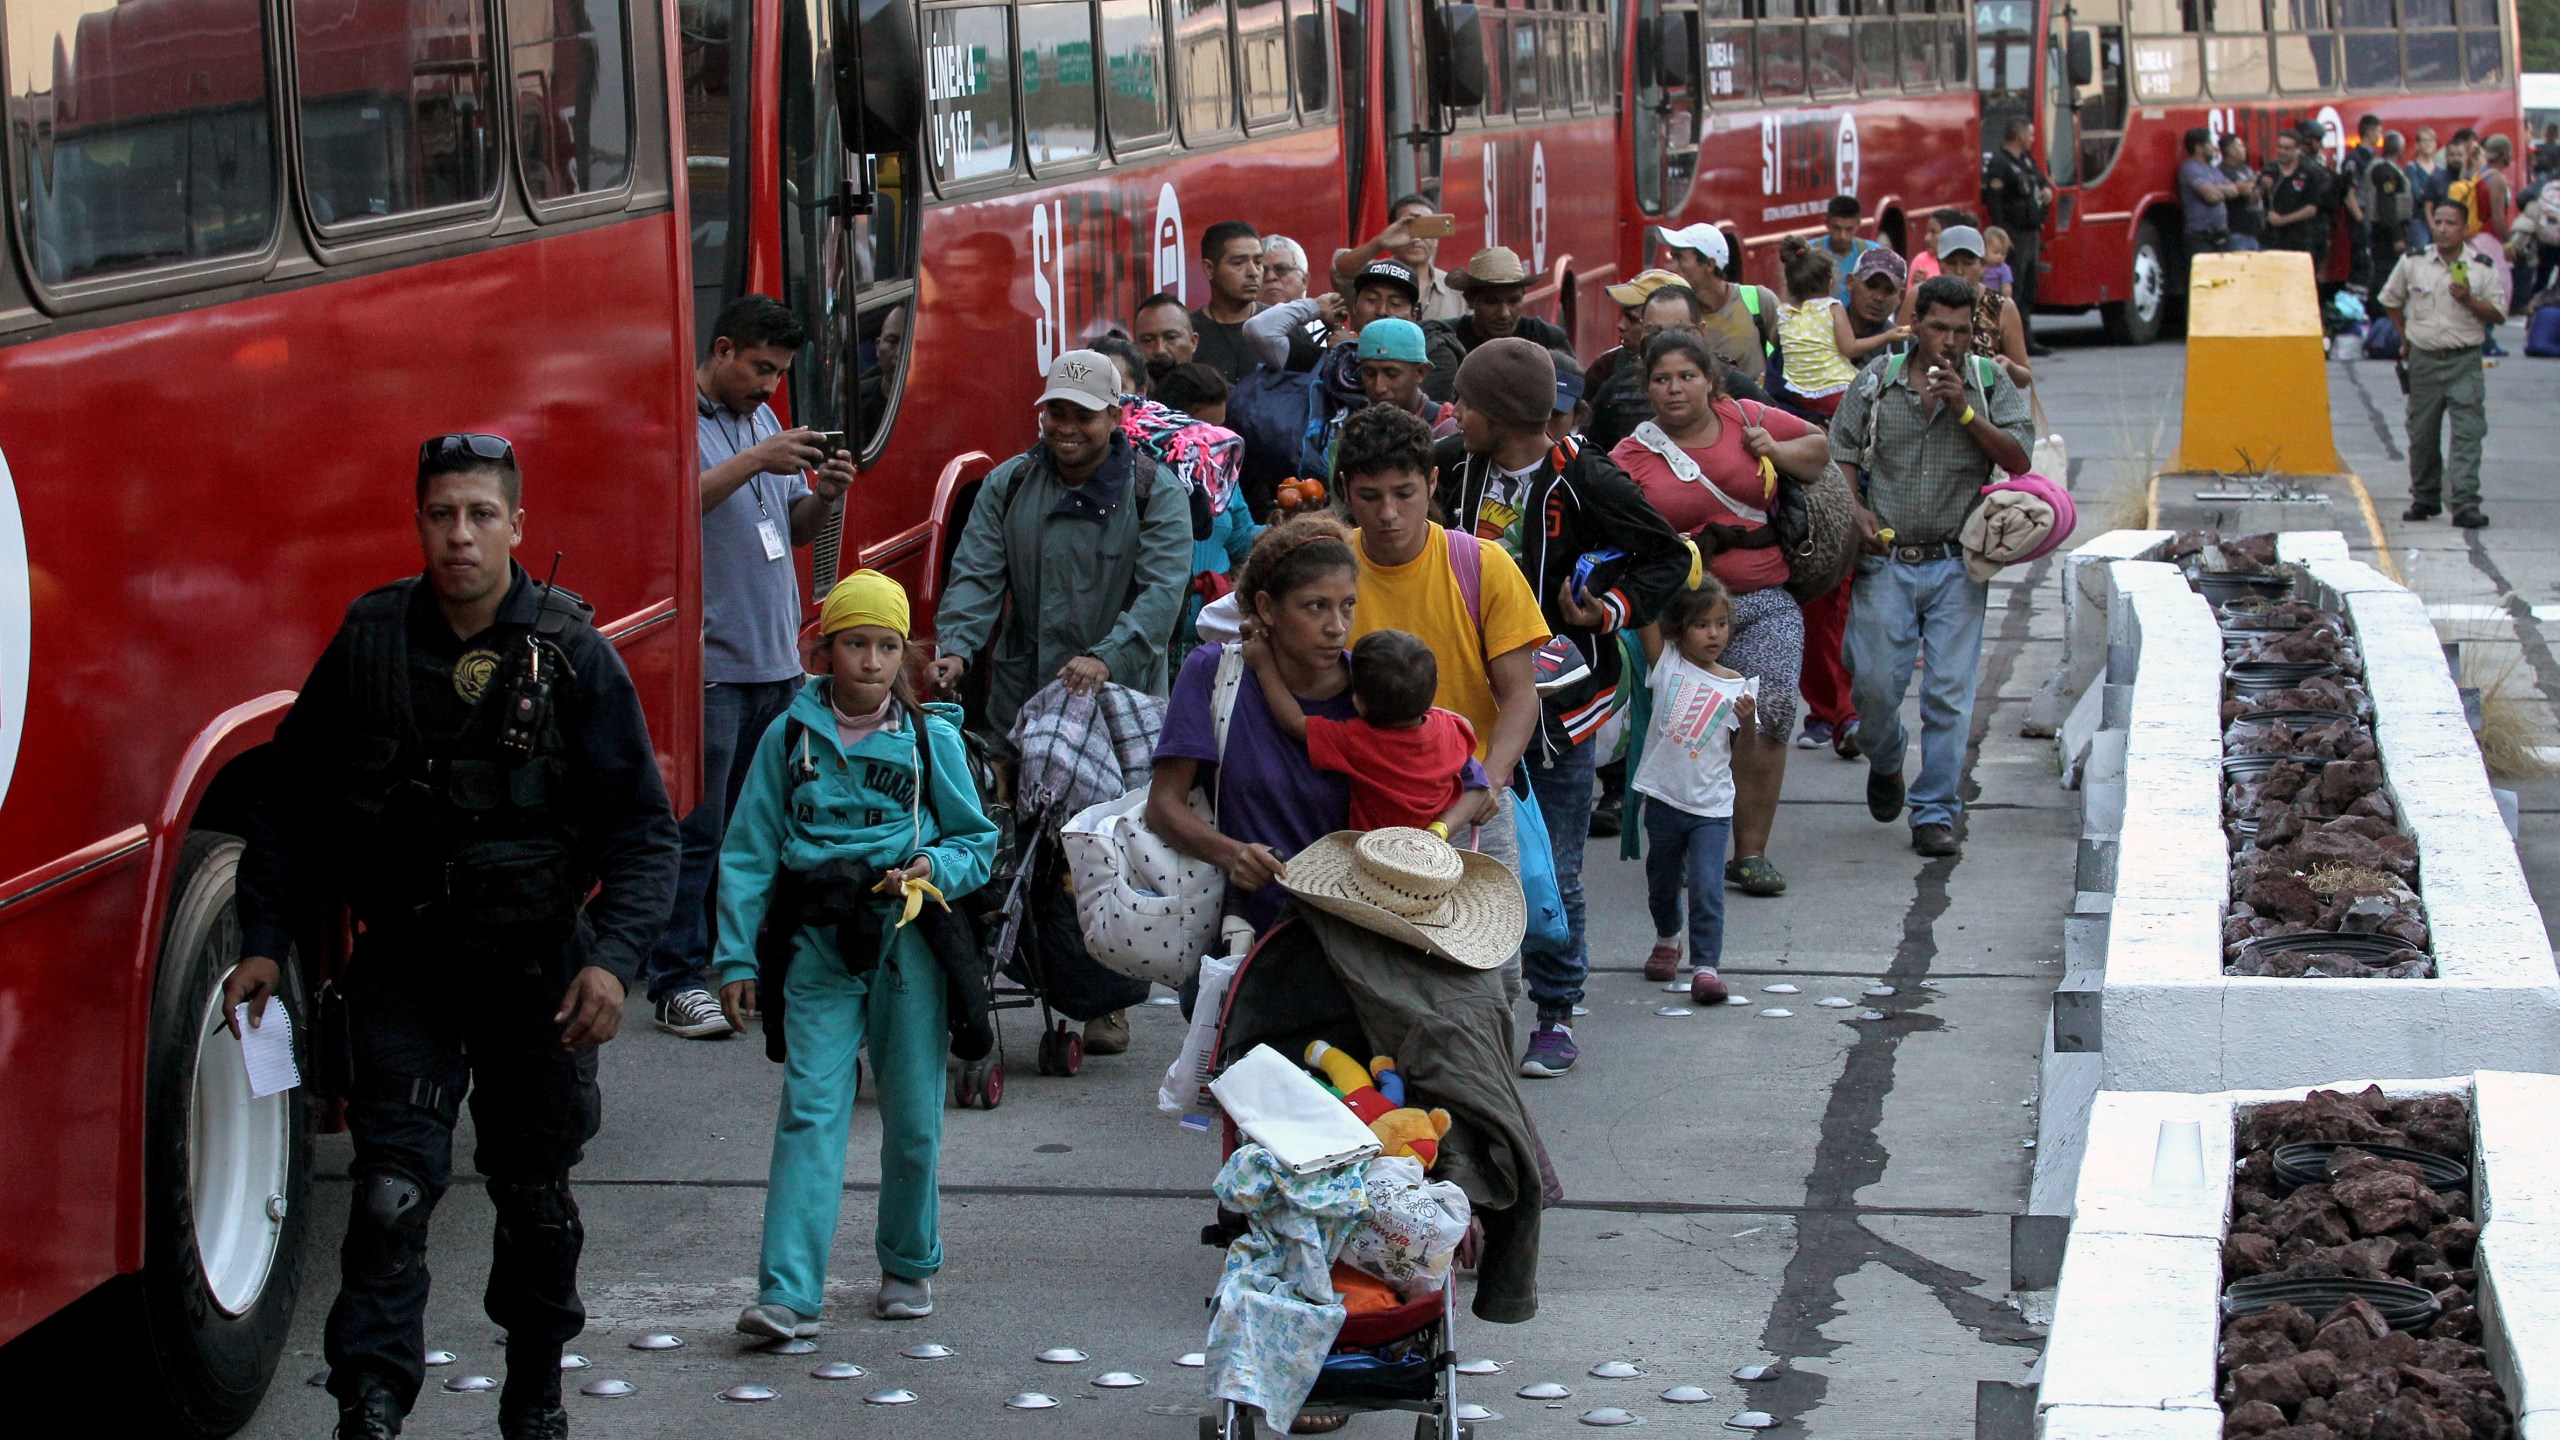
(860, 733)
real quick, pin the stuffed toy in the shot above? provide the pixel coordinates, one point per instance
(1376, 1094)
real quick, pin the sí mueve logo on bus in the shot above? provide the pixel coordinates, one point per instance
(1811, 154)
(17, 625)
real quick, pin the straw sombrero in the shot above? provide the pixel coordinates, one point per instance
(1412, 886)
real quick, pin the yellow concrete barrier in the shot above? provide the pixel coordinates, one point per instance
(2257, 379)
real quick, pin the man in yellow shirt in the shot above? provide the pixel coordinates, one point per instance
(1471, 606)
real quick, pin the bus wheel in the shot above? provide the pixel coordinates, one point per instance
(2135, 320)
(227, 1177)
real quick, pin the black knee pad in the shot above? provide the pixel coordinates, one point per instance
(538, 1219)
(387, 1235)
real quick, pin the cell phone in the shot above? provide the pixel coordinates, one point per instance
(830, 444)
(1433, 227)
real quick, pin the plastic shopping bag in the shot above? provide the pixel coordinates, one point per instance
(1538, 885)
(1412, 1227)
(1185, 1091)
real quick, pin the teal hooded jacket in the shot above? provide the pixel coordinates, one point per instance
(862, 806)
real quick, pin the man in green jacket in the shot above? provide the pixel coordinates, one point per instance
(1090, 540)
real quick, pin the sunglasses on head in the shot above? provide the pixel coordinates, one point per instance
(455, 446)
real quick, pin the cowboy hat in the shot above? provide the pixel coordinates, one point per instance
(1414, 887)
(1495, 265)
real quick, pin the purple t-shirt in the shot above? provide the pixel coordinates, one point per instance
(1270, 794)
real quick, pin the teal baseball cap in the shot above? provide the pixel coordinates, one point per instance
(1388, 338)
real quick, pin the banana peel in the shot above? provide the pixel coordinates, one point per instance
(915, 892)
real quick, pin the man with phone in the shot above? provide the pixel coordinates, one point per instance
(765, 490)
(1414, 231)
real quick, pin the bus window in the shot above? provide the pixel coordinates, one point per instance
(573, 95)
(1262, 59)
(1524, 66)
(715, 141)
(1877, 67)
(2235, 53)
(1057, 82)
(1781, 53)
(968, 60)
(1728, 78)
(2482, 59)
(1208, 82)
(1133, 56)
(1920, 63)
(1831, 49)
(128, 159)
(1954, 53)
(2372, 41)
(2306, 54)
(1555, 64)
(397, 107)
(1308, 62)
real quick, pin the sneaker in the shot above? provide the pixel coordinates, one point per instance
(1107, 1034)
(776, 1322)
(1844, 741)
(903, 1299)
(1551, 1052)
(1816, 735)
(692, 1014)
(1936, 841)
(2470, 518)
(1884, 795)
(1558, 665)
(1706, 987)
(1664, 962)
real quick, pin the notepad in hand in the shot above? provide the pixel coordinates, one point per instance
(268, 1049)
(1281, 1108)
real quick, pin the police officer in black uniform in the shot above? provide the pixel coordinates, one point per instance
(465, 766)
(2017, 196)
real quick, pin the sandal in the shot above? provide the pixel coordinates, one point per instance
(1755, 875)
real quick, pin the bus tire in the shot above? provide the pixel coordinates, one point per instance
(2136, 319)
(226, 1178)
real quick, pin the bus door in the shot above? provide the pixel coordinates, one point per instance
(1435, 65)
(2083, 100)
(852, 111)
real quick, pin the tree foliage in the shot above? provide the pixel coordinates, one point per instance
(2540, 22)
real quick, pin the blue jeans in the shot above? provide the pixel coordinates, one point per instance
(1564, 791)
(1931, 614)
(1681, 848)
(734, 719)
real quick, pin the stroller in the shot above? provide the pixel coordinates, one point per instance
(1286, 995)
(1024, 915)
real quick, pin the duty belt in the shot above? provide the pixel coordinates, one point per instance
(1922, 554)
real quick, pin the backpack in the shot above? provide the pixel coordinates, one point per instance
(1282, 416)
(2381, 339)
(2542, 333)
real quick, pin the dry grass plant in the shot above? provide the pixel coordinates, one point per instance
(2517, 738)
(2115, 491)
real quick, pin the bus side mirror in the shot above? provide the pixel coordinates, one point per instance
(1457, 58)
(879, 75)
(1675, 46)
(1308, 45)
(2084, 64)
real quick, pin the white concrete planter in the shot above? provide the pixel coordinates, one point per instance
(2172, 1019)
(2137, 1318)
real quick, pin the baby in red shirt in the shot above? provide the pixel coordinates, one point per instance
(1405, 757)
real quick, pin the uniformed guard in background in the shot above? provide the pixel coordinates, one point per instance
(2017, 196)
(466, 765)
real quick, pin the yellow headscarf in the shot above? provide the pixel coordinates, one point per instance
(865, 597)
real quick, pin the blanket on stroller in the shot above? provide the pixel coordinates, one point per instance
(1452, 1038)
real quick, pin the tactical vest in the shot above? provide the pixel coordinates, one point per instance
(467, 846)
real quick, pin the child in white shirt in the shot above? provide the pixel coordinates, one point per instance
(1685, 774)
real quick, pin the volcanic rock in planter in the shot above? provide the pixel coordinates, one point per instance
(2248, 1254)
(2247, 554)
(2360, 841)
(2322, 1115)
(2311, 1213)
(2350, 1327)
(2256, 1417)
(2343, 782)
(2281, 895)
(2380, 1196)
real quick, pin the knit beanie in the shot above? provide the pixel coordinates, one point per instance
(1511, 380)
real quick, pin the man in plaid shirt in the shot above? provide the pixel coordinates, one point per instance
(1918, 436)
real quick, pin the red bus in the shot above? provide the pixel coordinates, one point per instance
(255, 253)
(1752, 114)
(1068, 157)
(2113, 85)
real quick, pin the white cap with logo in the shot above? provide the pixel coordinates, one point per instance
(1702, 237)
(1084, 378)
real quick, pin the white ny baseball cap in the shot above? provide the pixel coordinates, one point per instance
(1702, 237)
(1082, 377)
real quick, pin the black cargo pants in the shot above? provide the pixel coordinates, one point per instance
(424, 1037)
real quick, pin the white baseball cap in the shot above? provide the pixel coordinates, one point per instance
(1962, 239)
(1702, 237)
(1082, 377)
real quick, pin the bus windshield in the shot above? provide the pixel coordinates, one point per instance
(2004, 46)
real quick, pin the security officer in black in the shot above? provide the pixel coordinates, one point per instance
(2017, 196)
(466, 765)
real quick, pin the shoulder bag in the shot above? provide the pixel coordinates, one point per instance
(1149, 911)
